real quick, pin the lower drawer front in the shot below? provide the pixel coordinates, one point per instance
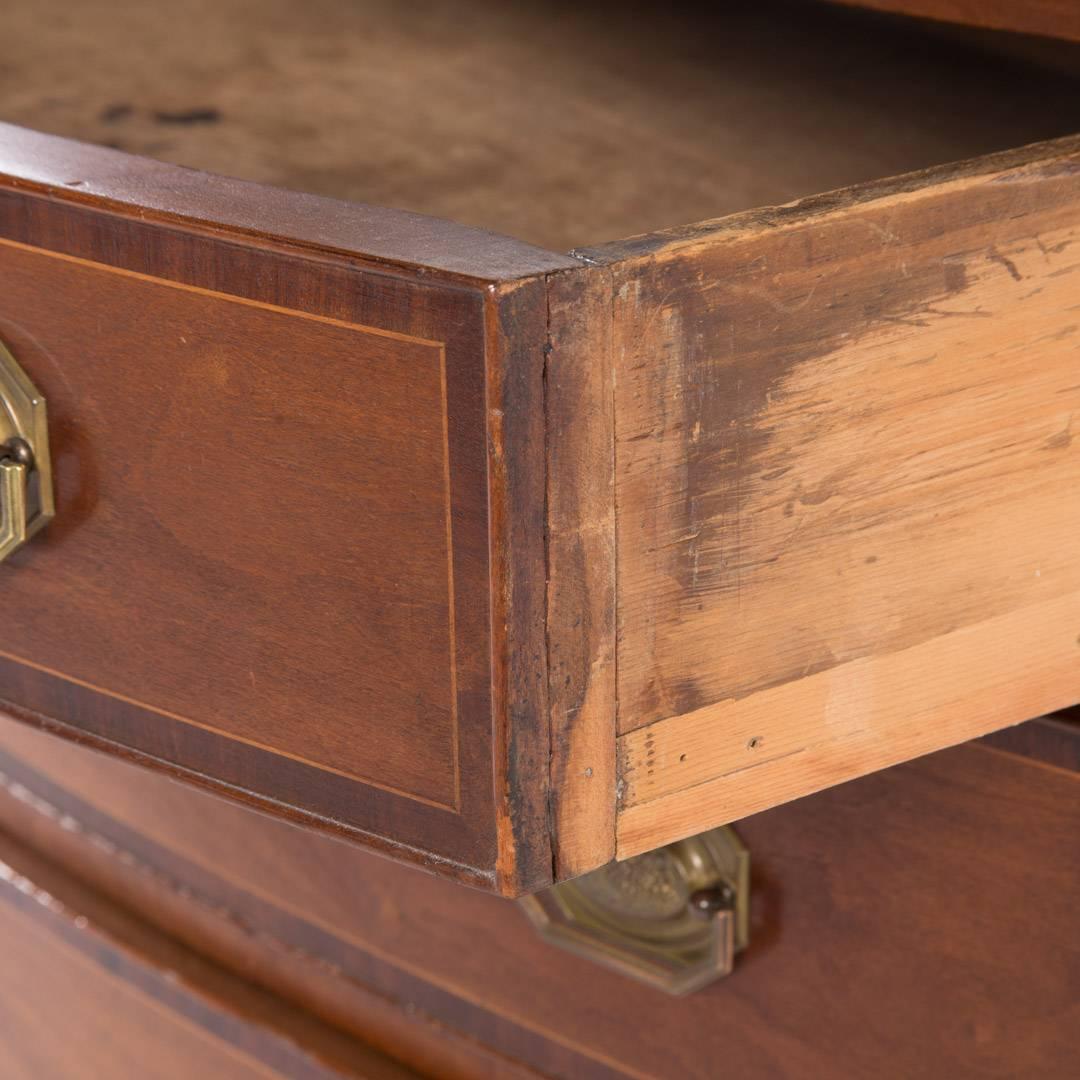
(917, 921)
(88, 991)
(110, 1027)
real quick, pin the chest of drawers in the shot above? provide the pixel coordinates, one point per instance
(508, 558)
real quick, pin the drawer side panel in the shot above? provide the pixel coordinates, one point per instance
(847, 476)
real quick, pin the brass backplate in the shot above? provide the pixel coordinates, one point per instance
(26, 493)
(673, 918)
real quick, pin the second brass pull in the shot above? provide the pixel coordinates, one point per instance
(673, 918)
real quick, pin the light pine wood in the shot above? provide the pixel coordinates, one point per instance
(846, 485)
(736, 758)
(830, 441)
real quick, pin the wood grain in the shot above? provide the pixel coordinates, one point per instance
(837, 434)
(242, 456)
(581, 571)
(132, 1003)
(81, 174)
(517, 325)
(279, 568)
(845, 477)
(1052, 18)
(736, 758)
(943, 888)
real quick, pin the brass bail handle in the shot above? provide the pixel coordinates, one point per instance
(26, 496)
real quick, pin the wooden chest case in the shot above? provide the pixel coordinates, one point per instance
(918, 921)
(504, 562)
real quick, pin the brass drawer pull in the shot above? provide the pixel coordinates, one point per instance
(673, 918)
(26, 497)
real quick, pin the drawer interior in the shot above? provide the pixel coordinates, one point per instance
(564, 124)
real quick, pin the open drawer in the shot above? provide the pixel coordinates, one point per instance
(509, 562)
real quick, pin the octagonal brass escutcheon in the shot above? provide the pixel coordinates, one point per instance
(26, 495)
(673, 918)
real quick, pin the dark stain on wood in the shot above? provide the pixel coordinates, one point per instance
(518, 480)
(206, 115)
(581, 569)
(764, 324)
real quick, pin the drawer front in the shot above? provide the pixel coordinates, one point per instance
(269, 566)
(922, 918)
(254, 532)
(44, 977)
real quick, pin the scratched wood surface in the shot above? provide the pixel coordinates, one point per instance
(846, 485)
(581, 561)
(799, 461)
